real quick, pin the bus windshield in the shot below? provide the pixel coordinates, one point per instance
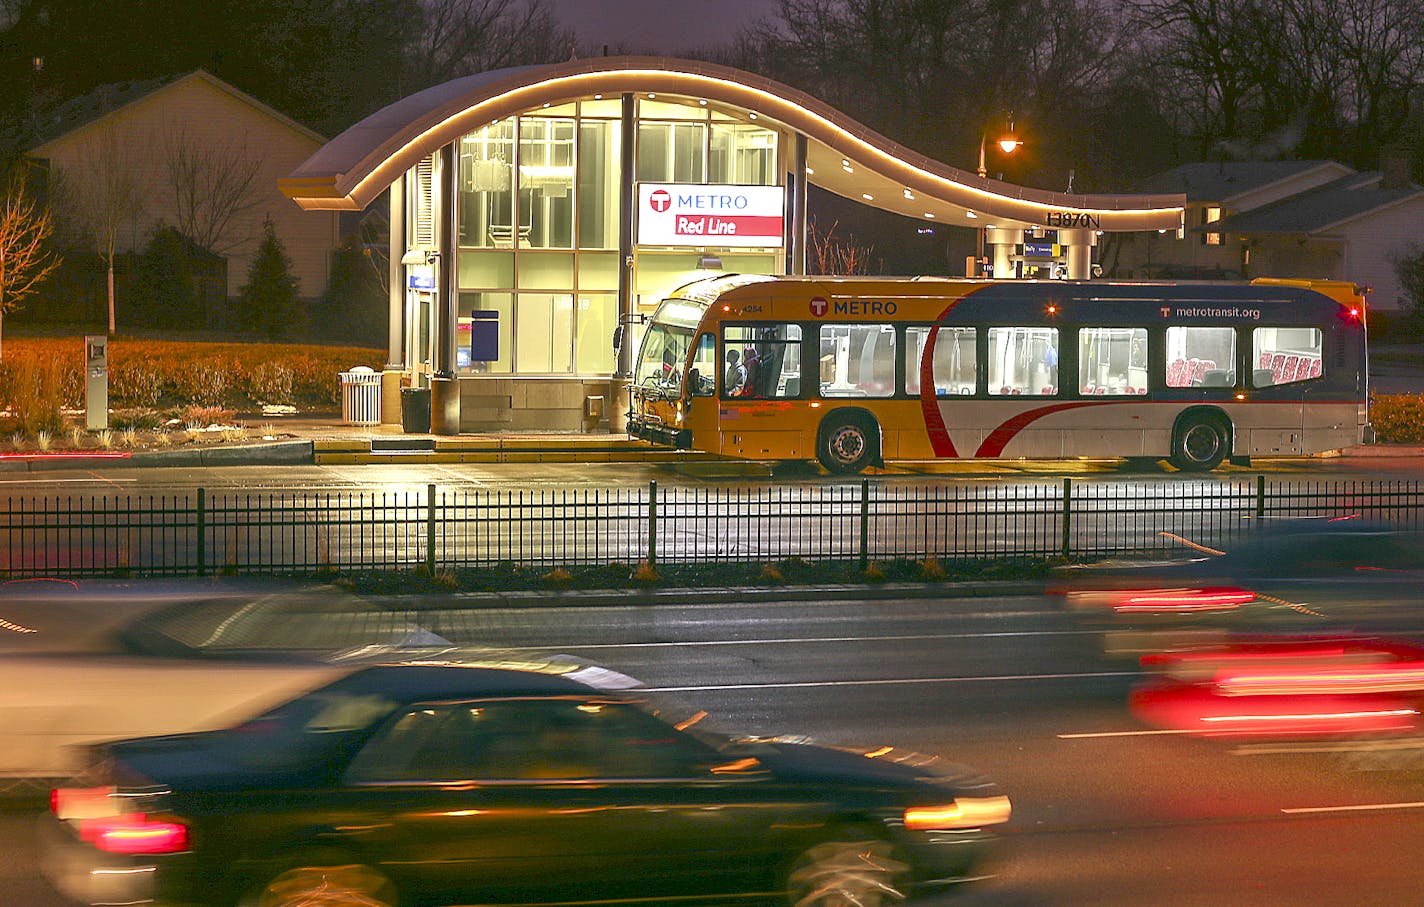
(665, 343)
(664, 351)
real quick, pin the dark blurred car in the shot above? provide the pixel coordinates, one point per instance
(440, 784)
(1292, 570)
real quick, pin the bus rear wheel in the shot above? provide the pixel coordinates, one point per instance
(847, 444)
(1200, 444)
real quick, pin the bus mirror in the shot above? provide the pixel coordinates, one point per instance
(617, 338)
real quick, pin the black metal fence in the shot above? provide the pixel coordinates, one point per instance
(286, 531)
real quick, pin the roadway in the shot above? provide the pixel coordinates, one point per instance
(1106, 812)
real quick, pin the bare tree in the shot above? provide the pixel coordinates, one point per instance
(107, 198)
(214, 188)
(832, 255)
(460, 37)
(25, 256)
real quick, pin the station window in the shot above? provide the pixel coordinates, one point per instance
(1112, 361)
(1201, 357)
(486, 197)
(546, 183)
(857, 360)
(1286, 355)
(742, 154)
(672, 152)
(955, 363)
(1023, 360)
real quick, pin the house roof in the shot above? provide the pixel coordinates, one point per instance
(1222, 181)
(842, 155)
(1320, 209)
(107, 99)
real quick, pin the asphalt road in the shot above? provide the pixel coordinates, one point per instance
(1105, 812)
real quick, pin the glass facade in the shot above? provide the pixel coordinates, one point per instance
(538, 211)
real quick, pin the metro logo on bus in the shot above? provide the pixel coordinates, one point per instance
(712, 215)
(819, 306)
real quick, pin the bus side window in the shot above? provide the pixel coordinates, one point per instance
(1201, 357)
(857, 360)
(1023, 360)
(955, 364)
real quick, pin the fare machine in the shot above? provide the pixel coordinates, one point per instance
(96, 382)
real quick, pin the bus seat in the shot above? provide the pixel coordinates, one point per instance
(1216, 377)
(1199, 367)
(1263, 377)
(1289, 370)
(793, 387)
(1314, 368)
(1265, 359)
(1100, 390)
(1177, 373)
(1278, 364)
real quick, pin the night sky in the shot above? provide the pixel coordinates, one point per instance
(662, 26)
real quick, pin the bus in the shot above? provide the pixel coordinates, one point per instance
(856, 372)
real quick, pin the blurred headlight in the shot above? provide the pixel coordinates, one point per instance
(964, 812)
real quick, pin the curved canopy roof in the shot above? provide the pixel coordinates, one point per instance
(843, 156)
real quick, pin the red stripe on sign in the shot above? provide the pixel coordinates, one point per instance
(1000, 437)
(726, 225)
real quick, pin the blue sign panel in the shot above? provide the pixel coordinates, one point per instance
(1038, 249)
(421, 281)
(484, 336)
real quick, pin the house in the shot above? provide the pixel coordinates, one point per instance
(191, 152)
(1284, 219)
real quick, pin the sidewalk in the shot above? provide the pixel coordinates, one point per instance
(326, 440)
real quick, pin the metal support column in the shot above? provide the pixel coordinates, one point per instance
(394, 371)
(796, 227)
(627, 210)
(444, 385)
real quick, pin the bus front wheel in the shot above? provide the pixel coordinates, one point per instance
(1200, 444)
(847, 444)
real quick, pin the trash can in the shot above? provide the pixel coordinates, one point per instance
(361, 396)
(415, 409)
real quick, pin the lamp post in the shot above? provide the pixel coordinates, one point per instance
(1008, 144)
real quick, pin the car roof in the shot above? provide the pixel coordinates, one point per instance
(424, 681)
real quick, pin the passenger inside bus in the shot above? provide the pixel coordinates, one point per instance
(736, 374)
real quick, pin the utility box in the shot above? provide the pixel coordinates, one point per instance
(96, 382)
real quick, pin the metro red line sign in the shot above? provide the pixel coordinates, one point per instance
(671, 214)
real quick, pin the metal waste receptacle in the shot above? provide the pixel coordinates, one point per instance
(415, 409)
(361, 396)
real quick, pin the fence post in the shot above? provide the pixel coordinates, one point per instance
(1067, 518)
(864, 524)
(202, 533)
(1260, 497)
(430, 529)
(653, 524)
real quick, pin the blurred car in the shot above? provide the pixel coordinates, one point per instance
(1286, 688)
(88, 661)
(1304, 570)
(440, 784)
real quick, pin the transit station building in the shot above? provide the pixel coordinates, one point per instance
(539, 212)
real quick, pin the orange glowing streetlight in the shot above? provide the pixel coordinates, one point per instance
(1007, 144)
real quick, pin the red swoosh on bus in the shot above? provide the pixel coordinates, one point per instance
(929, 401)
(1000, 437)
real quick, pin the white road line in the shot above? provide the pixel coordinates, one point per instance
(886, 682)
(1151, 733)
(28, 479)
(789, 640)
(1356, 808)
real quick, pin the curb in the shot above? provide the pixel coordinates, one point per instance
(711, 595)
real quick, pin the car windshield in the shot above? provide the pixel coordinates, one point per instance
(663, 353)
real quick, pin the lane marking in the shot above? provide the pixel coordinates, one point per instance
(997, 678)
(790, 640)
(1356, 808)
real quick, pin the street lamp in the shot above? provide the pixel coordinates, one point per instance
(1007, 144)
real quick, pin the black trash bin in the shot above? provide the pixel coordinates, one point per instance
(415, 409)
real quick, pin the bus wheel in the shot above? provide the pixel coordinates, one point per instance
(1200, 444)
(847, 444)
